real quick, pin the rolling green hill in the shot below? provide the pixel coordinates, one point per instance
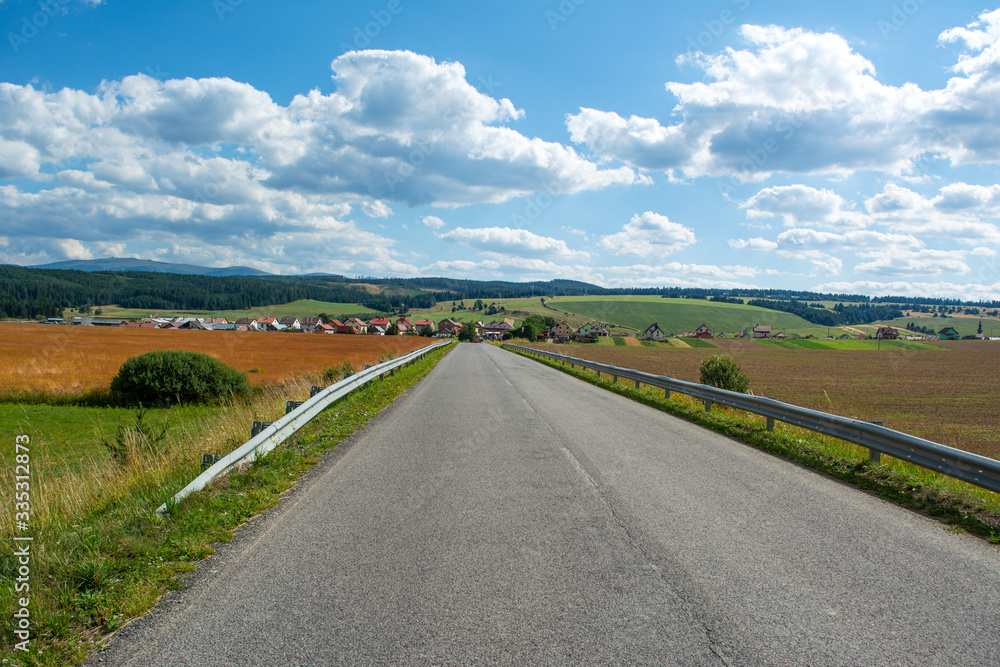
(682, 315)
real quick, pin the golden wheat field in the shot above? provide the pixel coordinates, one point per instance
(948, 395)
(72, 359)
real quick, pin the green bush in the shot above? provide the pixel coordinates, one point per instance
(175, 376)
(724, 373)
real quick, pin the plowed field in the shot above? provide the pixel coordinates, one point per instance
(70, 359)
(949, 395)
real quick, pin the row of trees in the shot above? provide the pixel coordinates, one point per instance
(864, 313)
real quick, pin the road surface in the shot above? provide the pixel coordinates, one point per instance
(501, 512)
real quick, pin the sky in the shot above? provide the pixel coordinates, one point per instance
(835, 147)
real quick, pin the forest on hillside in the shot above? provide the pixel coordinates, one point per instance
(39, 293)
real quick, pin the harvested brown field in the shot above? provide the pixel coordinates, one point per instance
(948, 395)
(72, 359)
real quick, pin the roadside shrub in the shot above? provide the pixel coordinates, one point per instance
(724, 373)
(337, 373)
(133, 440)
(175, 376)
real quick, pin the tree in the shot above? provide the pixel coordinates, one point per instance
(393, 329)
(980, 329)
(426, 331)
(467, 333)
(532, 326)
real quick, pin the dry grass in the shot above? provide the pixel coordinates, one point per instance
(74, 359)
(98, 479)
(947, 395)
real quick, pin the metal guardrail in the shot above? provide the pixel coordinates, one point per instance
(979, 470)
(280, 430)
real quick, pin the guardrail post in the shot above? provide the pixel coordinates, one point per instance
(256, 427)
(666, 394)
(291, 405)
(875, 456)
(637, 383)
(770, 424)
(313, 390)
(708, 405)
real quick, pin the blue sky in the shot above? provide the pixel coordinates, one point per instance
(848, 146)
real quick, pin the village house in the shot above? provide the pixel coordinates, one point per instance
(592, 330)
(291, 323)
(268, 324)
(420, 324)
(948, 333)
(375, 329)
(497, 328)
(562, 331)
(702, 332)
(762, 331)
(248, 322)
(381, 322)
(653, 332)
(310, 323)
(887, 333)
(405, 326)
(324, 328)
(448, 327)
(355, 325)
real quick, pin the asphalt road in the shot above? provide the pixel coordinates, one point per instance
(501, 512)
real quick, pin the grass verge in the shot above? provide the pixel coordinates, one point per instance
(964, 507)
(96, 564)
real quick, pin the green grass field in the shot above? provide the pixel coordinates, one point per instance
(301, 308)
(682, 315)
(64, 436)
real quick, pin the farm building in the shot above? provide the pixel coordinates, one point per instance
(948, 333)
(654, 332)
(887, 333)
(762, 331)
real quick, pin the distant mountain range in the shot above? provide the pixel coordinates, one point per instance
(129, 264)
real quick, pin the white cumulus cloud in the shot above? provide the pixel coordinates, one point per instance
(649, 234)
